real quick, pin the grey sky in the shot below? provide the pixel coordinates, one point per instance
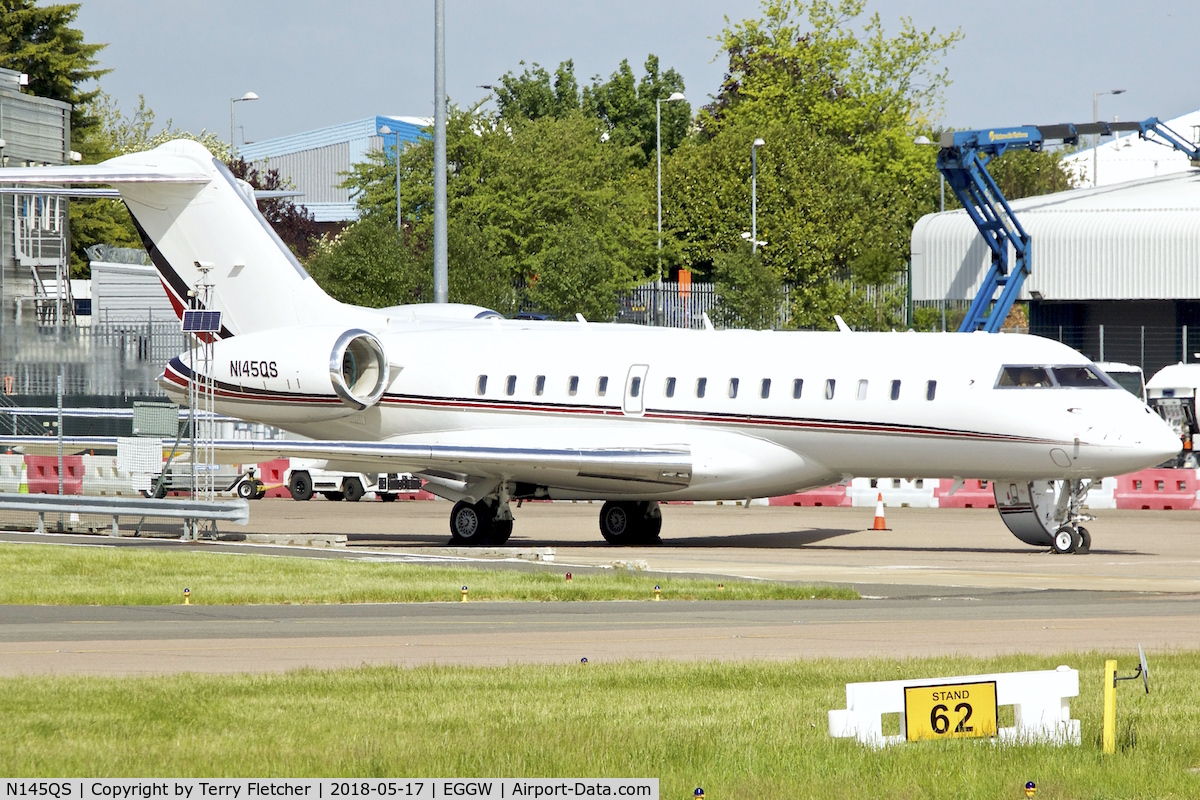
(318, 63)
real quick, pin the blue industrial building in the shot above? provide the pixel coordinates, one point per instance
(315, 160)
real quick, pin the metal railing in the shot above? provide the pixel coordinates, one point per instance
(237, 511)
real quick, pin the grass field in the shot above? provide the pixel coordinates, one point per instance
(749, 730)
(56, 575)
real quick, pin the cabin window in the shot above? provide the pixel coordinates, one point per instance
(573, 385)
(481, 385)
(670, 391)
(830, 385)
(797, 388)
(539, 385)
(635, 386)
(861, 394)
(733, 387)
(510, 385)
(930, 389)
(765, 391)
(1035, 377)
(602, 386)
(701, 385)
(1079, 377)
(895, 390)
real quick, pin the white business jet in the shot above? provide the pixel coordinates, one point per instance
(489, 410)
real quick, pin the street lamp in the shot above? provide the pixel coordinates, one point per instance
(754, 193)
(232, 145)
(749, 237)
(387, 131)
(674, 98)
(1096, 136)
(924, 140)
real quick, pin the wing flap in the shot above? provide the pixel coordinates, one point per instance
(557, 466)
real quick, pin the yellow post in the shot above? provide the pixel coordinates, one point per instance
(1110, 706)
(464, 594)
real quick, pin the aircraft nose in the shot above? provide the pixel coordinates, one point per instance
(1155, 439)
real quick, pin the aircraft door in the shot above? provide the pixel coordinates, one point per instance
(635, 390)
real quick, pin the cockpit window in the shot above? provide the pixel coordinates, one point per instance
(1071, 376)
(1024, 377)
(1083, 377)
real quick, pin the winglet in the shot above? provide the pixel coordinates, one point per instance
(841, 323)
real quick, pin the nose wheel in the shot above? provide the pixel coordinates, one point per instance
(1071, 539)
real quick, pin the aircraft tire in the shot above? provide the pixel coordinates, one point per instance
(334, 496)
(387, 497)
(301, 486)
(1085, 541)
(618, 523)
(352, 488)
(260, 490)
(651, 528)
(471, 524)
(245, 489)
(501, 530)
(1066, 540)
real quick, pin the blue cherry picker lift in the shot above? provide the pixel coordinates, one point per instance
(963, 160)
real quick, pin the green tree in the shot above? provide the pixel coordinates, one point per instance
(39, 41)
(839, 176)
(749, 293)
(533, 94)
(1025, 173)
(624, 104)
(520, 190)
(365, 265)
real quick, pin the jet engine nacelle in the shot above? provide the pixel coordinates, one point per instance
(322, 373)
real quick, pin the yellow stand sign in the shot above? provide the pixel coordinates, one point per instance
(950, 711)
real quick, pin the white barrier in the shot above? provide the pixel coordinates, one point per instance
(1041, 704)
(101, 476)
(10, 472)
(897, 492)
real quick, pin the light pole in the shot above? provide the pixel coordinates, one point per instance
(924, 140)
(675, 97)
(1096, 136)
(232, 101)
(387, 131)
(754, 193)
(441, 282)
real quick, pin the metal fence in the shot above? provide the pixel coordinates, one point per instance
(116, 357)
(683, 305)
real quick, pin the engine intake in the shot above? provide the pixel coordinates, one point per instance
(358, 369)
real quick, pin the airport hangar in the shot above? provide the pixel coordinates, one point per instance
(315, 161)
(1115, 269)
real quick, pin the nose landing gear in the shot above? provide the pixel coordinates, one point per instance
(1046, 513)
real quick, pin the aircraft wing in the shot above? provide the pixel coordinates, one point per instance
(585, 467)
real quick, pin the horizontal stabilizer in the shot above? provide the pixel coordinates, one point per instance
(169, 170)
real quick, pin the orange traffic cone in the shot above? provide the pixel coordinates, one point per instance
(879, 525)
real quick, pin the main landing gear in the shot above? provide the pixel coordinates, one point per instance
(631, 523)
(482, 524)
(489, 522)
(1046, 513)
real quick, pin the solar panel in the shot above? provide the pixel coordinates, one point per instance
(195, 321)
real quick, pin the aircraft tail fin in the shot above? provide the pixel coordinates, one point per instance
(192, 212)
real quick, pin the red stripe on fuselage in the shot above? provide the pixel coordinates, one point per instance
(516, 407)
